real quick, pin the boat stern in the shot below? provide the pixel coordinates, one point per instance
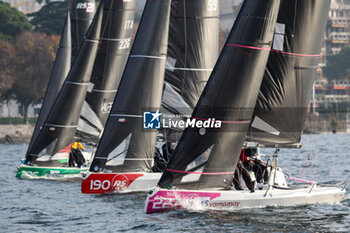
(161, 200)
(103, 183)
(36, 172)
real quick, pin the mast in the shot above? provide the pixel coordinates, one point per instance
(109, 65)
(125, 145)
(207, 157)
(61, 123)
(58, 74)
(290, 73)
(81, 12)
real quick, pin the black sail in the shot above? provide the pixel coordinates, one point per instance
(61, 123)
(58, 74)
(192, 51)
(125, 145)
(82, 13)
(291, 70)
(113, 52)
(206, 158)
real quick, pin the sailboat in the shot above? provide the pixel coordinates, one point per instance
(193, 47)
(59, 126)
(110, 60)
(124, 156)
(200, 177)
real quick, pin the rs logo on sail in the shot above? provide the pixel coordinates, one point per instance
(89, 7)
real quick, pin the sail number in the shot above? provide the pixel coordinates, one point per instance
(129, 24)
(106, 184)
(212, 5)
(125, 44)
(163, 203)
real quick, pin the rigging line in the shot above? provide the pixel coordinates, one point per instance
(201, 173)
(108, 18)
(295, 19)
(273, 50)
(186, 44)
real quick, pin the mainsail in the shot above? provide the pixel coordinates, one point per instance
(192, 51)
(291, 70)
(81, 12)
(109, 65)
(207, 157)
(60, 125)
(125, 145)
(58, 74)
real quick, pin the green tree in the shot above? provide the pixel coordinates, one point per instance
(338, 66)
(7, 76)
(35, 54)
(50, 18)
(13, 22)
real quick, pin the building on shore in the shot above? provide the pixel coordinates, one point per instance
(25, 6)
(338, 27)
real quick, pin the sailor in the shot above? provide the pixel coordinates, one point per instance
(168, 149)
(248, 178)
(159, 162)
(75, 155)
(252, 161)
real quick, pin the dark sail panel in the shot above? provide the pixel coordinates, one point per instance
(82, 13)
(61, 123)
(109, 65)
(206, 158)
(58, 74)
(291, 70)
(125, 145)
(193, 48)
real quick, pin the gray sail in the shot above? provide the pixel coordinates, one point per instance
(192, 52)
(109, 65)
(82, 12)
(193, 48)
(290, 73)
(58, 74)
(61, 123)
(207, 157)
(125, 145)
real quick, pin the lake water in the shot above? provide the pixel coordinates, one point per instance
(58, 206)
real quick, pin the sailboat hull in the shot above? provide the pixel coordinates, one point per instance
(161, 200)
(36, 172)
(104, 183)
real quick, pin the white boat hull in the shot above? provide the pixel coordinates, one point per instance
(163, 199)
